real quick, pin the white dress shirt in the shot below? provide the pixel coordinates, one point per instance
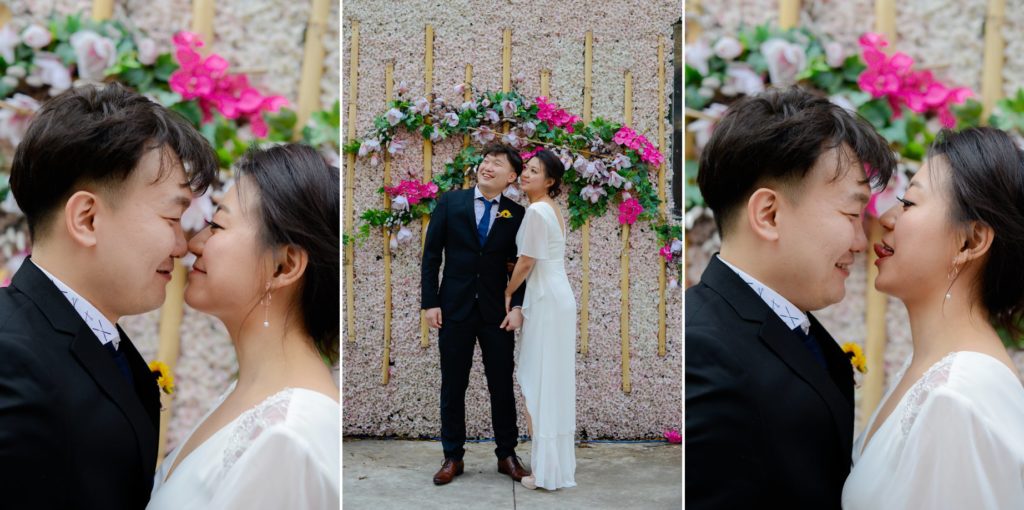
(790, 314)
(478, 207)
(104, 330)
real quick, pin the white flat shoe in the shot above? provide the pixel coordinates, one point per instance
(528, 482)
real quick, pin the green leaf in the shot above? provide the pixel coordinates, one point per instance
(66, 53)
(164, 66)
(190, 110)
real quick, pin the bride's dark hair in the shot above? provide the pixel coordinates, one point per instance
(986, 184)
(553, 168)
(299, 205)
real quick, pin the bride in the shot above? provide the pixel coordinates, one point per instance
(949, 433)
(546, 368)
(267, 266)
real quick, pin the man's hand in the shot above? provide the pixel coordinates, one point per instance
(513, 321)
(508, 303)
(434, 317)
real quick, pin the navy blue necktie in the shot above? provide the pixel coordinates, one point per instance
(812, 345)
(121, 361)
(485, 221)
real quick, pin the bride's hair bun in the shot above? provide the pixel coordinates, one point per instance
(986, 183)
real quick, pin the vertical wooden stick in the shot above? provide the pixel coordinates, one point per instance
(312, 65)
(662, 206)
(885, 19)
(428, 152)
(202, 22)
(170, 344)
(627, 385)
(506, 69)
(389, 84)
(102, 9)
(588, 98)
(992, 75)
(466, 96)
(350, 184)
(789, 13)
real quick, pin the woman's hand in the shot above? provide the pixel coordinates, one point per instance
(508, 302)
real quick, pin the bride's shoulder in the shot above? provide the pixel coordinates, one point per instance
(985, 385)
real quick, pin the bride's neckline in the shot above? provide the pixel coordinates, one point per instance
(871, 431)
(177, 461)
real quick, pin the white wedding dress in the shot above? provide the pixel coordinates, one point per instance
(955, 440)
(546, 367)
(282, 453)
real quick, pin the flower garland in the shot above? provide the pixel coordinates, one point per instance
(605, 162)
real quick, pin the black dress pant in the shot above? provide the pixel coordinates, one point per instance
(456, 342)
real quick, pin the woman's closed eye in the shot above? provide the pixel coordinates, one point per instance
(906, 203)
(212, 225)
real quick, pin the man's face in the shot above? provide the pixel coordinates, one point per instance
(820, 231)
(139, 235)
(495, 174)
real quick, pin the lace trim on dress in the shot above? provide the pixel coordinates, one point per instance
(253, 422)
(936, 375)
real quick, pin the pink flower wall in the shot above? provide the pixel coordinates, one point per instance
(545, 35)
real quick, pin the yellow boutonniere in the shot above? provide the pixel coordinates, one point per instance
(856, 355)
(505, 214)
(164, 378)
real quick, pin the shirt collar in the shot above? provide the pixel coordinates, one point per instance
(477, 194)
(792, 316)
(104, 330)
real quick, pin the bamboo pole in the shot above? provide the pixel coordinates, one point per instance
(588, 98)
(466, 96)
(102, 9)
(627, 384)
(506, 69)
(312, 65)
(876, 302)
(389, 85)
(662, 206)
(428, 153)
(350, 184)
(202, 22)
(885, 19)
(170, 344)
(992, 75)
(789, 13)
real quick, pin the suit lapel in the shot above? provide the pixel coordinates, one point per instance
(785, 344)
(498, 227)
(469, 212)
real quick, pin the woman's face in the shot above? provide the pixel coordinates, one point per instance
(229, 276)
(534, 180)
(919, 243)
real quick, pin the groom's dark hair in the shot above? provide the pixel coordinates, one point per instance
(96, 135)
(508, 151)
(776, 137)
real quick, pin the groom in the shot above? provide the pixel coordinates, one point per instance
(103, 176)
(475, 230)
(769, 393)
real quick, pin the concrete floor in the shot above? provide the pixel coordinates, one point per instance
(394, 474)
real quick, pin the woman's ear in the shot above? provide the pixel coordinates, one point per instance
(762, 207)
(80, 217)
(290, 264)
(977, 242)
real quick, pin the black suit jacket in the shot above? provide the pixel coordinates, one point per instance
(73, 432)
(764, 420)
(469, 269)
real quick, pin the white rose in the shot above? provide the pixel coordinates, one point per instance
(36, 37)
(93, 53)
(728, 48)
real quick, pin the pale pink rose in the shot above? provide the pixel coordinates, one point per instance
(421, 106)
(93, 54)
(452, 119)
(742, 79)
(785, 61)
(16, 72)
(835, 54)
(491, 116)
(200, 210)
(14, 121)
(404, 234)
(468, 105)
(8, 41)
(884, 200)
(508, 108)
(394, 116)
(148, 51)
(36, 37)
(400, 203)
(51, 71)
(529, 129)
(459, 89)
(697, 55)
(402, 88)
(702, 128)
(728, 48)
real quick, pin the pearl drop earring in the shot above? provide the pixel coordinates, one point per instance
(266, 309)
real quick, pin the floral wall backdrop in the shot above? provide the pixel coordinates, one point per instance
(545, 35)
(955, 59)
(273, 63)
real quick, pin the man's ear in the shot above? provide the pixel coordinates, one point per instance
(80, 217)
(762, 207)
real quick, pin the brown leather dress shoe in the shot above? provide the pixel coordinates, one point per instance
(510, 466)
(449, 470)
